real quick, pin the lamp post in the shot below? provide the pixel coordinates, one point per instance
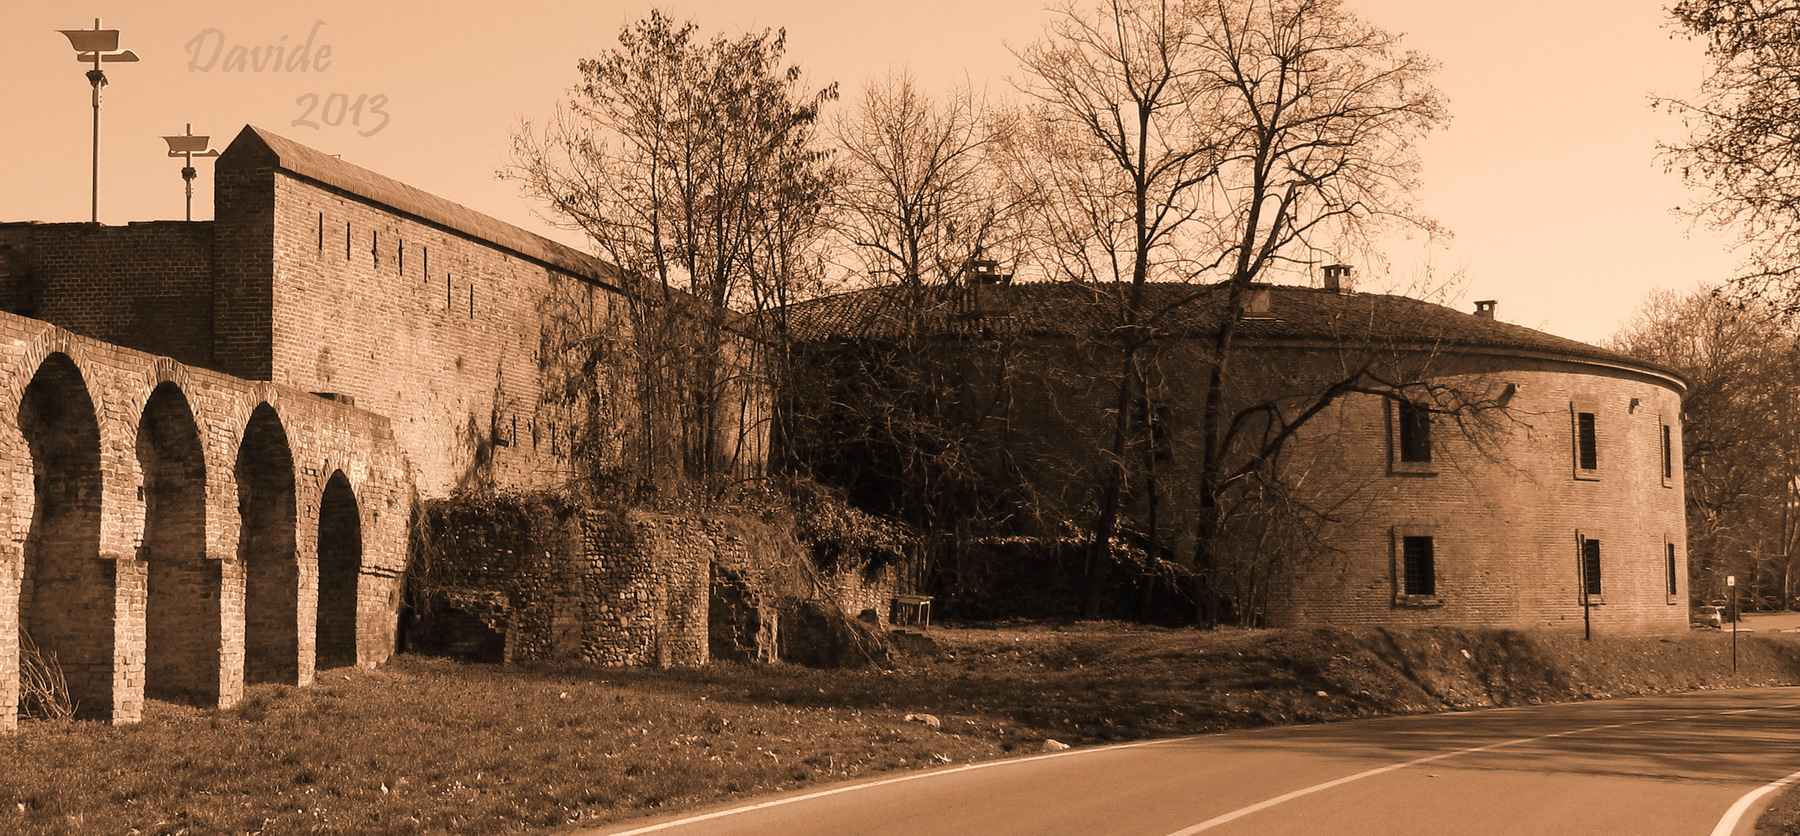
(1731, 583)
(97, 45)
(187, 146)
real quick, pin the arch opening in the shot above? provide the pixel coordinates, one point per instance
(66, 597)
(266, 516)
(181, 613)
(340, 564)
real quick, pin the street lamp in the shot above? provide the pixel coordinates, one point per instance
(97, 45)
(187, 146)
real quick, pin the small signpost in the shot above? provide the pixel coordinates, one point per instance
(1731, 583)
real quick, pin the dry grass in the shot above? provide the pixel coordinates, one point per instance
(437, 746)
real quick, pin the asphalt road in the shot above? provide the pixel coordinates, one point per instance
(1679, 764)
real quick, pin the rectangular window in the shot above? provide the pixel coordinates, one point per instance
(1415, 432)
(1590, 566)
(425, 271)
(1671, 567)
(321, 233)
(400, 257)
(375, 248)
(1585, 441)
(1419, 565)
(346, 240)
(1668, 454)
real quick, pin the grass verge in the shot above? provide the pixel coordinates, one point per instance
(431, 745)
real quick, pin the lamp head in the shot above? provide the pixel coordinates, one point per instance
(93, 40)
(126, 57)
(185, 144)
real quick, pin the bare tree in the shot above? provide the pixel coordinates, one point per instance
(1215, 140)
(917, 202)
(671, 154)
(1741, 152)
(918, 216)
(1119, 138)
(1741, 452)
(1325, 113)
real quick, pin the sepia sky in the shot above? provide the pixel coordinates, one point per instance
(1547, 176)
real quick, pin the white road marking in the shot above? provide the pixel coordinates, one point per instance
(1241, 812)
(1206, 825)
(1729, 822)
(901, 779)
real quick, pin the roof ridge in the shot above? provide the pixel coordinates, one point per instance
(298, 158)
(847, 315)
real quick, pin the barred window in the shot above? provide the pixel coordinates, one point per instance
(1590, 566)
(1415, 432)
(1671, 567)
(1590, 456)
(1419, 565)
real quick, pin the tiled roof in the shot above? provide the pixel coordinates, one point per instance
(1287, 313)
(295, 158)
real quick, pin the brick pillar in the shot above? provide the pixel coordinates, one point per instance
(307, 612)
(231, 632)
(9, 642)
(130, 587)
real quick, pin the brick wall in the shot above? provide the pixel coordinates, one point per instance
(454, 338)
(438, 332)
(146, 285)
(589, 587)
(1505, 526)
(1505, 531)
(516, 582)
(128, 541)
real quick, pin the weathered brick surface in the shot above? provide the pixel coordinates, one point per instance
(598, 588)
(1505, 526)
(148, 285)
(226, 529)
(124, 497)
(1506, 529)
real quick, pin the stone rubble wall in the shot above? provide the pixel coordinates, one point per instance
(621, 589)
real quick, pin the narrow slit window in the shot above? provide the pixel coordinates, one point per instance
(1419, 565)
(1669, 557)
(449, 283)
(321, 233)
(425, 271)
(400, 257)
(471, 300)
(1415, 432)
(1585, 440)
(1668, 454)
(1590, 566)
(375, 248)
(346, 240)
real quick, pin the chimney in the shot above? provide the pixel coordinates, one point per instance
(1337, 277)
(1485, 308)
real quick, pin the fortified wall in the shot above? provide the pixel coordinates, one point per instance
(273, 394)
(330, 278)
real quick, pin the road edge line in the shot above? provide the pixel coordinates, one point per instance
(1234, 815)
(1728, 823)
(898, 779)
